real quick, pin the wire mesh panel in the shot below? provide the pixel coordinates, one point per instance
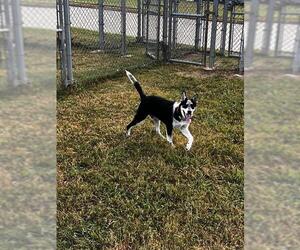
(288, 23)
(153, 28)
(106, 38)
(287, 48)
(106, 18)
(236, 30)
(219, 35)
(133, 21)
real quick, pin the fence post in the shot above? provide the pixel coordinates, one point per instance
(198, 25)
(147, 27)
(206, 32)
(231, 28)
(165, 30)
(224, 28)
(170, 45)
(19, 42)
(296, 61)
(139, 21)
(158, 43)
(175, 22)
(11, 67)
(268, 28)
(212, 53)
(280, 29)
(101, 23)
(251, 32)
(61, 35)
(241, 59)
(143, 19)
(123, 27)
(67, 30)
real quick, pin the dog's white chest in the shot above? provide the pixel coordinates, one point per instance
(177, 124)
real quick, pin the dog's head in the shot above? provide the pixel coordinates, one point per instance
(187, 106)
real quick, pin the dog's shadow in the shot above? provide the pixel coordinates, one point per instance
(147, 143)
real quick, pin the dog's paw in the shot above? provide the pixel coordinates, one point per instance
(127, 133)
(188, 147)
(171, 143)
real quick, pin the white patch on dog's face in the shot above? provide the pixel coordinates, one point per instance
(187, 108)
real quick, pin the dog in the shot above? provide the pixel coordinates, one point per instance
(173, 114)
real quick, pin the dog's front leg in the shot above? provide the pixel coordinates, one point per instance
(157, 127)
(169, 135)
(185, 131)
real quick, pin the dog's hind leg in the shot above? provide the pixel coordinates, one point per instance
(139, 117)
(157, 126)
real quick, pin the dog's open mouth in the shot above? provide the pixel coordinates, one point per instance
(188, 117)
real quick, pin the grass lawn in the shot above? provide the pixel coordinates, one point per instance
(138, 192)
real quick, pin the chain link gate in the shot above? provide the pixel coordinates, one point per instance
(188, 23)
(180, 31)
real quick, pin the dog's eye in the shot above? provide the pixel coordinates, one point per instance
(184, 106)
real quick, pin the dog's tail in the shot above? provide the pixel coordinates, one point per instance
(136, 84)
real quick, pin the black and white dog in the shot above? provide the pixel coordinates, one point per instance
(172, 114)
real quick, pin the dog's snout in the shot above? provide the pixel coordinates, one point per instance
(189, 112)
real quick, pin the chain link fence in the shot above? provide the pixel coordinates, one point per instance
(12, 61)
(108, 36)
(24, 33)
(274, 33)
(105, 38)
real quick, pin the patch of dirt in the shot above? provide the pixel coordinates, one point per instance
(201, 74)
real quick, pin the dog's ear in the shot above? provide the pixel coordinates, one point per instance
(183, 95)
(195, 98)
